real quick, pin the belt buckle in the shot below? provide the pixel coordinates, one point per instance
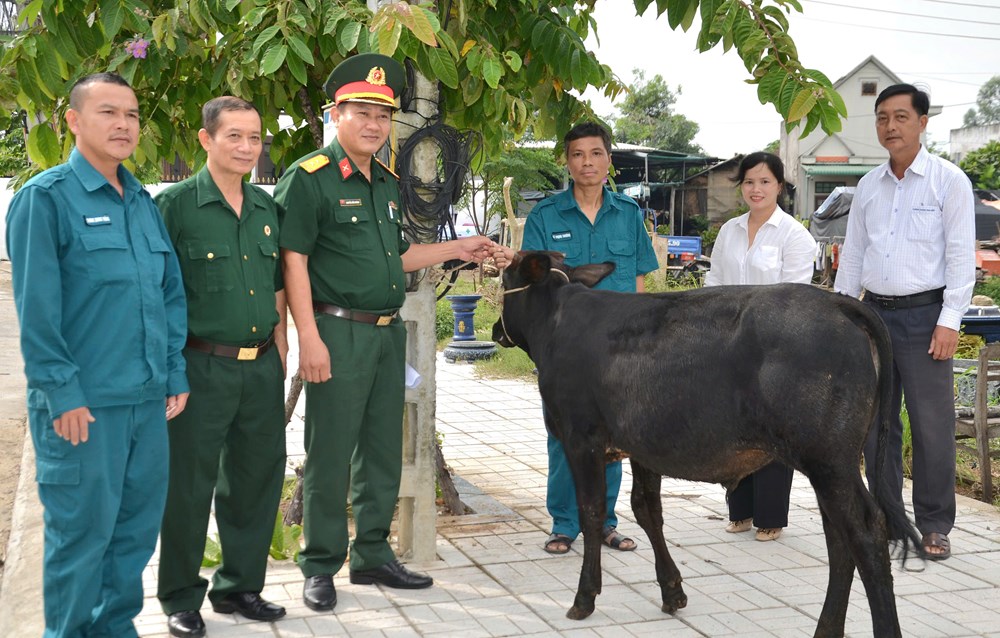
(247, 354)
(384, 320)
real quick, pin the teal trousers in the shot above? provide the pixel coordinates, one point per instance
(230, 441)
(354, 442)
(103, 502)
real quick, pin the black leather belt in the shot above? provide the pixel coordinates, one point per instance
(901, 302)
(354, 315)
(232, 352)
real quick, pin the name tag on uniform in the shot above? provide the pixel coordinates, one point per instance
(925, 209)
(562, 236)
(392, 211)
(97, 220)
(351, 202)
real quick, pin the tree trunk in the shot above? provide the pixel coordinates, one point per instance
(448, 492)
(293, 513)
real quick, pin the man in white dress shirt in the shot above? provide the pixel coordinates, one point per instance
(911, 247)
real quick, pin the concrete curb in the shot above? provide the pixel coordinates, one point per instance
(21, 591)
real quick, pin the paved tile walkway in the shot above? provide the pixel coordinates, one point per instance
(493, 579)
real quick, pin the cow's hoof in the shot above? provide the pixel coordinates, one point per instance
(578, 613)
(677, 601)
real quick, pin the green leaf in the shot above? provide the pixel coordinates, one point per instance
(836, 100)
(348, 37)
(444, 67)
(513, 60)
(298, 70)
(265, 36)
(422, 27)
(213, 553)
(492, 70)
(232, 4)
(48, 72)
(112, 16)
(388, 39)
(577, 71)
(448, 43)
(300, 49)
(801, 105)
(43, 146)
(472, 90)
(273, 59)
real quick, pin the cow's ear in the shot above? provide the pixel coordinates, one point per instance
(534, 266)
(590, 274)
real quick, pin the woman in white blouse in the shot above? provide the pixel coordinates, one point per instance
(763, 246)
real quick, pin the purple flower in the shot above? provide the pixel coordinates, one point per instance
(137, 47)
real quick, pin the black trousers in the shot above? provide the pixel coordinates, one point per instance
(930, 403)
(763, 496)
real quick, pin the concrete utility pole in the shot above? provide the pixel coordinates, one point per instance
(417, 507)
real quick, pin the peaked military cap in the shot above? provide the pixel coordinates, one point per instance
(367, 77)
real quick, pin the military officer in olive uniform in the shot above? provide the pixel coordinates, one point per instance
(101, 305)
(231, 439)
(344, 257)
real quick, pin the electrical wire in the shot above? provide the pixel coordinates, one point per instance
(901, 13)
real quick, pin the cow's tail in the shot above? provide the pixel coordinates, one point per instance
(899, 526)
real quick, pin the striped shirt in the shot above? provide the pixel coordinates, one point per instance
(911, 235)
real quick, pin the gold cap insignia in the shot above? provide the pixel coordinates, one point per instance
(267, 230)
(376, 76)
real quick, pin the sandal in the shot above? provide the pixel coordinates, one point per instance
(735, 527)
(618, 541)
(768, 533)
(938, 541)
(558, 544)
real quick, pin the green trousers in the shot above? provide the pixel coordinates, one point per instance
(353, 441)
(230, 440)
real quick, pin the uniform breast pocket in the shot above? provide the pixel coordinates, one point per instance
(570, 248)
(269, 259)
(160, 251)
(623, 254)
(209, 263)
(354, 227)
(924, 224)
(107, 258)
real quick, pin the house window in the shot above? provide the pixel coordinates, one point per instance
(823, 189)
(869, 87)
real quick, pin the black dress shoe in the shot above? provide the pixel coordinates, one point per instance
(186, 624)
(392, 574)
(250, 605)
(318, 593)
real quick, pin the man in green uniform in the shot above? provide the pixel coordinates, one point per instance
(344, 257)
(231, 438)
(101, 306)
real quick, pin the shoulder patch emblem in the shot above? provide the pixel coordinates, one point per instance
(387, 169)
(313, 164)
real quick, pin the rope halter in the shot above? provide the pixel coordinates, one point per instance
(503, 325)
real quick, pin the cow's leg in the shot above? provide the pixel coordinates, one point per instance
(850, 513)
(648, 510)
(838, 590)
(586, 462)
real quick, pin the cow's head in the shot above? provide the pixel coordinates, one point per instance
(541, 273)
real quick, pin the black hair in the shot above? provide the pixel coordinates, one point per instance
(214, 108)
(588, 129)
(76, 93)
(919, 99)
(752, 160)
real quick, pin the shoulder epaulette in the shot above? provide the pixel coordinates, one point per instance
(388, 170)
(313, 164)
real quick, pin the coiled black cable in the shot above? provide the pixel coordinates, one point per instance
(427, 205)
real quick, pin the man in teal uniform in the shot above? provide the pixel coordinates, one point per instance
(590, 224)
(101, 305)
(344, 257)
(231, 438)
